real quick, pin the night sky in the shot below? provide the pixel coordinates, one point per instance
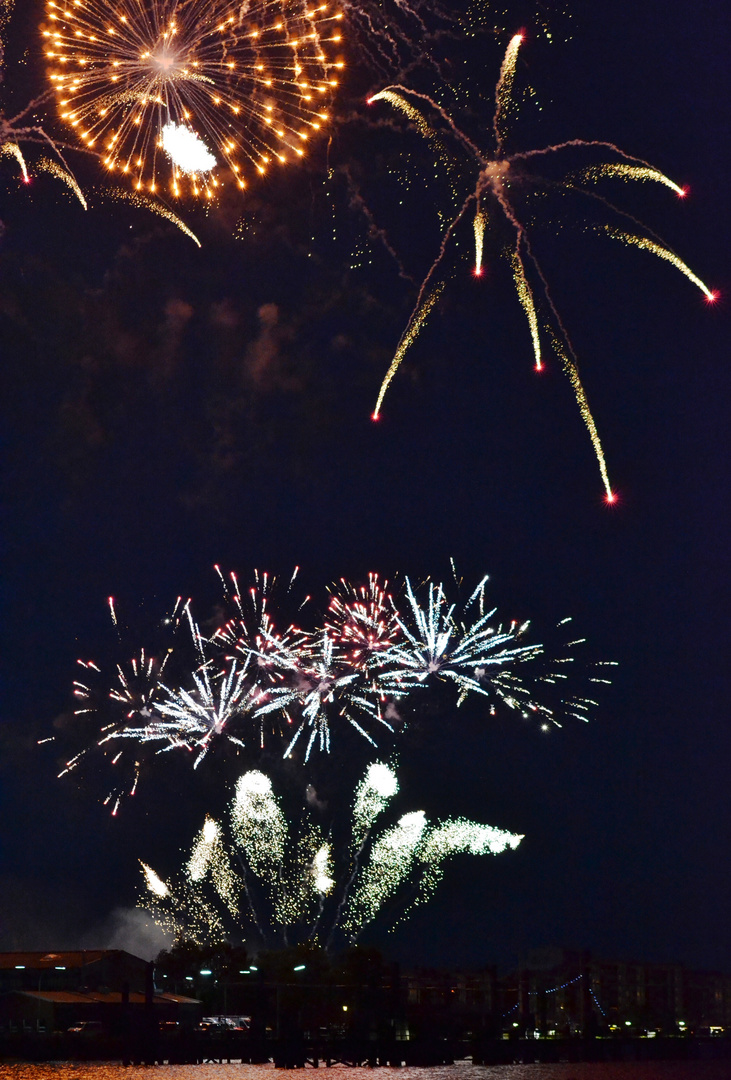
(167, 408)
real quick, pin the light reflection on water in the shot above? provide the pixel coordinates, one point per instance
(657, 1070)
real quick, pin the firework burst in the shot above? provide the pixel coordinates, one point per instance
(121, 711)
(245, 685)
(257, 871)
(168, 91)
(362, 620)
(503, 178)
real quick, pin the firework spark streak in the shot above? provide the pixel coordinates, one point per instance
(479, 226)
(410, 334)
(259, 869)
(527, 302)
(502, 177)
(165, 89)
(11, 149)
(632, 172)
(662, 253)
(144, 202)
(67, 178)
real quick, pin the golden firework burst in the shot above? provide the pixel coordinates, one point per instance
(171, 93)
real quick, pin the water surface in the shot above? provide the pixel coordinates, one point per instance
(657, 1070)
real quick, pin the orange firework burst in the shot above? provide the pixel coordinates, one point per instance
(168, 91)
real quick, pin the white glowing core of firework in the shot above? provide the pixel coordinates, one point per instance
(323, 881)
(211, 830)
(382, 780)
(253, 783)
(186, 150)
(154, 884)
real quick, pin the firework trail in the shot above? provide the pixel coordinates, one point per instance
(144, 202)
(501, 178)
(67, 178)
(11, 149)
(503, 91)
(6, 10)
(569, 365)
(479, 226)
(297, 880)
(527, 302)
(631, 172)
(167, 91)
(662, 253)
(410, 334)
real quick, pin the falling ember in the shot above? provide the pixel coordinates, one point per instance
(504, 88)
(572, 371)
(112, 611)
(64, 176)
(399, 101)
(480, 223)
(662, 253)
(632, 172)
(526, 299)
(409, 336)
(143, 202)
(11, 149)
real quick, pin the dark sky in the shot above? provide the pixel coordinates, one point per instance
(167, 408)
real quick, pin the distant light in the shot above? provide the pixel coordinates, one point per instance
(20, 967)
(253, 968)
(300, 967)
(247, 972)
(628, 1023)
(60, 967)
(515, 1024)
(189, 978)
(345, 1008)
(205, 971)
